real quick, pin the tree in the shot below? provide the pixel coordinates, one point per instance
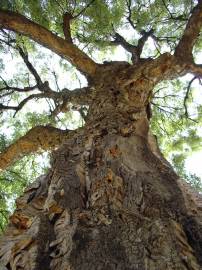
(110, 199)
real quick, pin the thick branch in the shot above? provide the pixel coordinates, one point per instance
(80, 96)
(152, 71)
(20, 24)
(38, 138)
(195, 69)
(191, 33)
(143, 39)
(119, 40)
(67, 17)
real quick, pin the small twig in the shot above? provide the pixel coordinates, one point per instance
(30, 66)
(160, 108)
(56, 81)
(166, 96)
(187, 95)
(178, 18)
(58, 3)
(158, 90)
(84, 9)
(128, 2)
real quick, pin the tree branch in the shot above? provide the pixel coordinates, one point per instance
(143, 39)
(16, 89)
(134, 50)
(84, 9)
(22, 103)
(38, 138)
(20, 24)
(80, 96)
(67, 17)
(24, 56)
(129, 18)
(11, 89)
(190, 35)
(119, 40)
(178, 18)
(187, 96)
(195, 69)
(30, 66)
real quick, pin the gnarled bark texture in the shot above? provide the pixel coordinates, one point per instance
(110, 200)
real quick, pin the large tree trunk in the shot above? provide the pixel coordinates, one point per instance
(110, 200)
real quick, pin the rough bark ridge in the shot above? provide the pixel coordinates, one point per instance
(109, 201)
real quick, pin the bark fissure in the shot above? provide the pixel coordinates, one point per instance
(110, 199)
(107, 190)
(108, 202)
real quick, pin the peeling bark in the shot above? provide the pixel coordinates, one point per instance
(108, 203)
(110, 200)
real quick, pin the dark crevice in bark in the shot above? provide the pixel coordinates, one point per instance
(102, 255)
(132, 214)
(45, 236)
(193, 229)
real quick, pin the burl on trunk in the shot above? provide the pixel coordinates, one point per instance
(110, 199)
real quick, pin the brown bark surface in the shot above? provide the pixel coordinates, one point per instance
(110, 200)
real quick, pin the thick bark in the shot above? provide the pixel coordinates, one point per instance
(108, 204)
(110, 200)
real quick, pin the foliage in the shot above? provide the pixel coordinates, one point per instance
(178, 135)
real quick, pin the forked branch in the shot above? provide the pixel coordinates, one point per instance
(37, 139)
(134, 50)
